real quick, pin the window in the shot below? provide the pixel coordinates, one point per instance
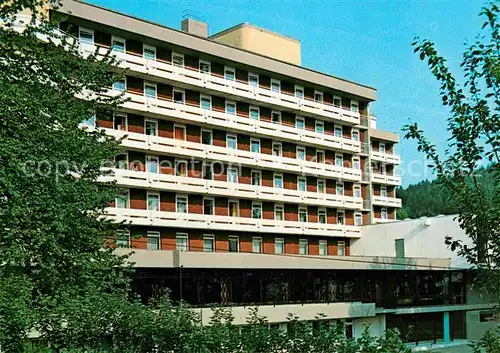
(205, 67)
(178, 96)
(318, 96)
(257, 245)
(206, 137)
(320, 127)
(256, 178)
(153, 240)
(120, 122)
(340, 217)
(120, 86)
(122, 200)
(279, 212)
(90, 121)
(320, 156)
(206, 102)
(299, 91)
(256, 210)
(341, 248)
(399, 245)
(279, 246)
(321, 186)
(230, 107)
(340, 188)
(339, 160)
(177, 59)
(276, 117)
(153, 201)
(231, 142)
(121, 161)
(229, 73)
(300, 123)
(255, 146)
(338, 130)
(275, 85)
(117, 44)
(337, 101)
(86, 36)
(122, 237)
(208, 206)
(355, 163)
(253, 80)
(358, 219)
(355, 135)
(208, 243)
(179, 132)
(383, 213)
(301, 184)
(152, 163)
(233, 208)
(254, 112)
(323, 247)
(234, 243)
(303, 247)
(181, 242)
(322, 215)
(181, 168)
(181, 204)
(208, 171)
(232, 175)
(301, 153)
(381, 147)
(383, 191)
(151, 127)
(355, 106)
(278, 181)
(302, 214)
(277, 149)
(149, 52)
(357, 190)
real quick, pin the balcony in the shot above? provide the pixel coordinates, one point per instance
(237, 224)
(388, 158)
(188, 114)
(385, 179)
(163, 145)
(220, 188)
(386, 201)
(384, 220)
(205, 82)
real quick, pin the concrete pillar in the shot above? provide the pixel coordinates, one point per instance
(446, 327)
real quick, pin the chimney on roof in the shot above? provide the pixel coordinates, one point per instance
(196, 27)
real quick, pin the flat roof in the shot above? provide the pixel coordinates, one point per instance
(249, 25)
(107, 17)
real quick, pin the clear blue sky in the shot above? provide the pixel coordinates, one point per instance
(364, 41)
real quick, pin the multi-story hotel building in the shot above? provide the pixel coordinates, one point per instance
(248, 177)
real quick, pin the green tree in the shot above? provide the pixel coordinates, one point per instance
(474, 126)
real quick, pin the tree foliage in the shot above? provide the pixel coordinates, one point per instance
(474, 142)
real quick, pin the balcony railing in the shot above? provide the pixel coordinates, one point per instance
(206, 81)
(237, 224)
(385, 157)
(386, 201)
(163, 145)
(188, 113)
(385, 179)
(385, 220)
(168, 182)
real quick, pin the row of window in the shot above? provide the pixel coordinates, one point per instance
(179, 96)
(151, 129)
(182, 243)
(181, 206)
(118, 45)
(207, 173)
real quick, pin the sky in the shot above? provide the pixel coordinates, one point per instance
(368, 42)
